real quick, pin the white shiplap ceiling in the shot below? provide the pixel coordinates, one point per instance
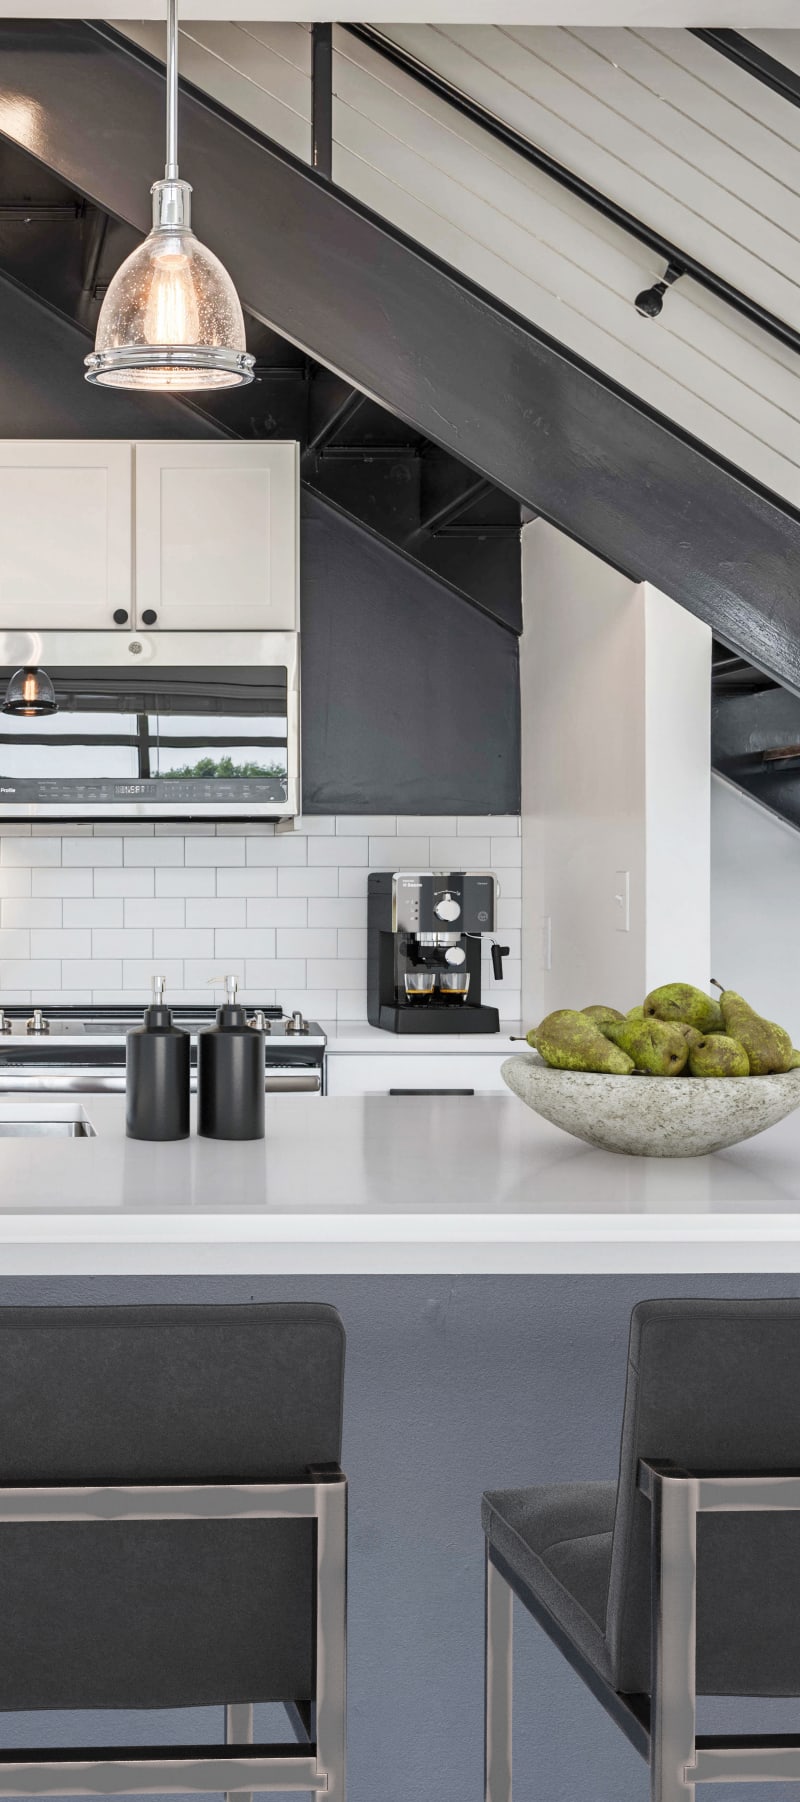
(735, 14)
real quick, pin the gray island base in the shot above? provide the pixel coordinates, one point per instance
(489, 1373)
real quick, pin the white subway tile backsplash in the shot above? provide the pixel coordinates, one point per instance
(248, 882)
(399, 853)
(31, 852)
(54, 942)
(348, 912)
(268, 910)
(228, 942)
(216, 852)
(22, 910)
(58, 881)
(412, 825)
(218, 911)
(338, 851)
(17, 882)
(88, 853)
(506, 853)
(145, 911)
(131, 941)
(125, 882)
(160, 851)
(460, 853)
(306, 941)
(306, 882)
(97, 912)
(15, 941)
(278, 852)
(180, 881)
(85, 912)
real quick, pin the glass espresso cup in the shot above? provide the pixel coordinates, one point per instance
(454, 985)
(420, 985)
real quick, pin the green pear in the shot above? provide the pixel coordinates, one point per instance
(795, 1063)
(717, 1055)
(635, 1013)
(658, 1047)
(598, 1012)
(691, 1034)
(567, 1040)
(681, 1001)
(769, 1048)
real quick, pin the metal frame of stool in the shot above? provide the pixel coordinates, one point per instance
(662, 1728)
(316, 1761)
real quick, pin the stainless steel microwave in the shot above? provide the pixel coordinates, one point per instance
(150, 726)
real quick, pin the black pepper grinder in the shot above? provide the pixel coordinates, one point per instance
(230, 1074)
(157, 1074)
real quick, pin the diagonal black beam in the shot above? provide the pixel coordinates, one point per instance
(765, 68)
(399, 324)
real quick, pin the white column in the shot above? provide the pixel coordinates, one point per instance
(615, 682)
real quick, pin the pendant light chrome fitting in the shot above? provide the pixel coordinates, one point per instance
(171, 319)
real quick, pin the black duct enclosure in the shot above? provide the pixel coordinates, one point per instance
(410, 696)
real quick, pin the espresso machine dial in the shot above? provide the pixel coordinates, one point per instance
(447, 907)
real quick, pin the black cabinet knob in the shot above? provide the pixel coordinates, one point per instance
(120, 617)
(149, 616)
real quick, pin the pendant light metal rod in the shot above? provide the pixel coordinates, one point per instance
(171, 170)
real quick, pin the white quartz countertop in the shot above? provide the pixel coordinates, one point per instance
(358, 1036)
(384, 1185)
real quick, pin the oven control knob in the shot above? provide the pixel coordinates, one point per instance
(6, 1025)
(259, 1021)
(448, 908)
(297, 1024)
(38, 1023)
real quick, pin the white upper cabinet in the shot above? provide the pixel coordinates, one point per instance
(217, 536)
(65, 534)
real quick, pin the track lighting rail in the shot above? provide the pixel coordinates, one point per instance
(671, 254)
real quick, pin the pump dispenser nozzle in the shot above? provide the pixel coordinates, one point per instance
(158, 985)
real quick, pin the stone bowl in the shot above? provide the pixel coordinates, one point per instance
(653, 1116)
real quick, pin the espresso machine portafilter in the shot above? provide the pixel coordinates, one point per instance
(424, 950)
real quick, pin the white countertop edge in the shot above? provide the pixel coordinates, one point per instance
(252, 1258)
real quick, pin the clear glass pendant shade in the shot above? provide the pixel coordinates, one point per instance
(171, 318)
(29, 694)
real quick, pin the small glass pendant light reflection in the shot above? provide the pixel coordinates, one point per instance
(29, 694)
(171, 318)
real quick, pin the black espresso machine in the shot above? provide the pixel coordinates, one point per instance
(424, 950)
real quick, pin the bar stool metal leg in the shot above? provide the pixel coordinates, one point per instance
(332, 1635)
(673, 1705)
(238, 1732)
(498, 1686)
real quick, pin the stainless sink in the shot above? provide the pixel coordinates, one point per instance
(43, 1121)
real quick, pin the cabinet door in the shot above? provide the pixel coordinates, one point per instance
(65, 534)
(216, 536)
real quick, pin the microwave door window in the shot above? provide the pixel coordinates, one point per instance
(223, 748)
(68, 745)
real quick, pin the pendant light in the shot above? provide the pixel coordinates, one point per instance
(171, 319)
(30, 693)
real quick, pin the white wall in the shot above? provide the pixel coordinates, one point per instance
(755, 904)
(89, 914)
(615, 682)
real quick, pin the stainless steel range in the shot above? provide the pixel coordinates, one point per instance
(81, 1050)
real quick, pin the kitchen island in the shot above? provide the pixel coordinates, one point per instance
(384, 1186)
(485, 1266)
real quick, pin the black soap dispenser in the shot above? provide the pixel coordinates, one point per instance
(157, 1073)
(230, 1074)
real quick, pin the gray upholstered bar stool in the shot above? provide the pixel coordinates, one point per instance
(705, 1520)
(173, 1534)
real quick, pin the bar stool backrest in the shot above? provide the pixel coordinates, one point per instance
(714, 1386)
(162, 1614)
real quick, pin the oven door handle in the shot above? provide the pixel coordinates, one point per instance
(304, 1080)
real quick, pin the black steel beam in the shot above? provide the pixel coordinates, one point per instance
(322, 99)
(747, 56)
(402, 326)
(682, 261)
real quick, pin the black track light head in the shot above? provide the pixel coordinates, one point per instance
(651, 300)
